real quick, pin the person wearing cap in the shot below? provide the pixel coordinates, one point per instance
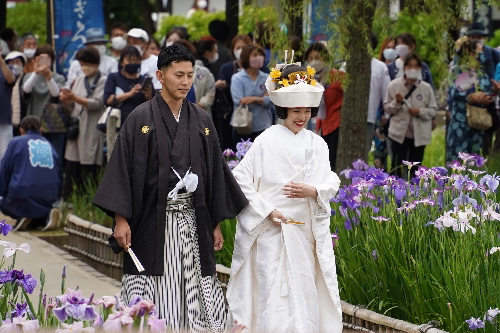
(139, 39)
(96, 39)
(28, 44)
(7, 80)
(477, 33)
(29, 179)
(283, 275)
(16, 61)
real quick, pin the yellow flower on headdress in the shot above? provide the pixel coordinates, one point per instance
(275, 74)
(313, 82)
(311, 70)
(284, 83)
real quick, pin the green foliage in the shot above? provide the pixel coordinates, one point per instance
(228, 229)
(82, 203)
(29, 17)
(196, 25)
(253, 14)
(495, 40)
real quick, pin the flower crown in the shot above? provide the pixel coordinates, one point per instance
(294, 78)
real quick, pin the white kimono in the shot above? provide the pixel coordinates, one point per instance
(283, 278)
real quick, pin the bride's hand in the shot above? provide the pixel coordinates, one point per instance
(299, 190)
(276, 214)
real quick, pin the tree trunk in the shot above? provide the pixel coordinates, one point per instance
(357, 17)
(232, 11)
(146, 10)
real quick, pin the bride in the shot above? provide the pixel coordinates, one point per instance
(283, 276)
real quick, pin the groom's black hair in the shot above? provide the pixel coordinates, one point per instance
(174, 53)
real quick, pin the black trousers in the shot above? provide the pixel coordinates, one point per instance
(408, 152)
(332, 141)
(77, 176)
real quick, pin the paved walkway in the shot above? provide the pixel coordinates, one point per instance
(52, 260)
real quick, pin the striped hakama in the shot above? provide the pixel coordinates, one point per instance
(188, 301)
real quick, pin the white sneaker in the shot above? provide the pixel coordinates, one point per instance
(52, 220)
(22, 224)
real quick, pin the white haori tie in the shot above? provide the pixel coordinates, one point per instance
(189, 182)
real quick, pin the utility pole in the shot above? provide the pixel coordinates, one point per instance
(3, 14)
(232, 12)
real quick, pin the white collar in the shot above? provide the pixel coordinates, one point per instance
(179, 116)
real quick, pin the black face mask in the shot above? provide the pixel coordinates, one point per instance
(132, 68)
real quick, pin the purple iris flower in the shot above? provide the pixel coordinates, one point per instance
(5, 276)
(74, 305)
(228, 153)
(242, 148)
(27, 282)
(20, 309)
(375, 254)
(463, 199)
(399, 192)
(474, 323)
(360, 165)
(347, 224)
(491, 181)
(5, 228)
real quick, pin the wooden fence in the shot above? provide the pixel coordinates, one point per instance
(89, 242)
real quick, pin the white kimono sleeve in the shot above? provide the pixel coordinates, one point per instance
(248, 173)
(327, 186)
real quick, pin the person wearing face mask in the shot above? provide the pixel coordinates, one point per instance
(248, 88)
(84, 154)
(224, 100)
(16, 61)
(406, 43)
(412, 104)
(96, 39)
(477, 33)
(42, 87)
(123, 90)
(197, 5)
(118, 43)
(208, 52)
(28, 44)
(388, 52)
(139, 39)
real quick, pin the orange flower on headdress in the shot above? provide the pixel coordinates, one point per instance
(284, 83)
(313, 82)
(311, 70)
(275, 74)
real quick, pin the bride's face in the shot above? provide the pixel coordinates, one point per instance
(297, 119)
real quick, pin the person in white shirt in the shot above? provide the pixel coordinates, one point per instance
(379, 81)
(139, 39)
(95, 38)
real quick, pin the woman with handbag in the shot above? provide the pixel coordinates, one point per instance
(84, 147)
(125, 90)
(471, 88)
(248, 90)
(412, 104)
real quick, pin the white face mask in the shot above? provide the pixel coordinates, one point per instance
(214, 59)
(139, 48)
(88, 70)
(317, 64)
(101, 49)
(479, 41)
(390, 54)
(169, 44)
(413, 74)
(118, 43)
(237, 54)
(16, 69)
(202, 4)
(29, 53)
(402, 50)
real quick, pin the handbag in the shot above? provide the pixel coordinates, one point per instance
(242, 120)
(55, 118)
(478, 117)
(110, 111)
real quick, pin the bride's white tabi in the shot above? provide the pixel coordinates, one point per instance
(283, 276)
